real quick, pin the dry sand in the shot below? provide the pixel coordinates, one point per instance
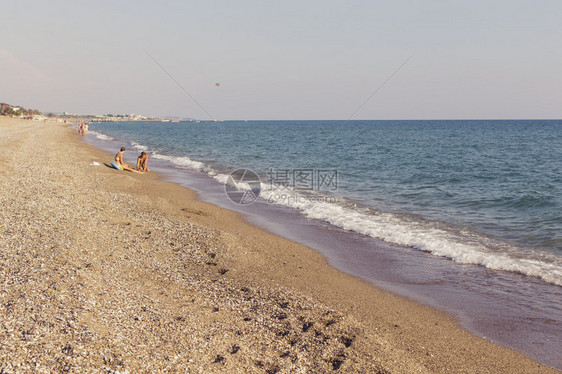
(108, 271)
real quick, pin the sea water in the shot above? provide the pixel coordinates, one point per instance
(480, 193)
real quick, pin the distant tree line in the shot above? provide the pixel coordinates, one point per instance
(19, 111)
(14, 110)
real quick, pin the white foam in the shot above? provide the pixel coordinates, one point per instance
(182, 162)
(462, 248)
(221, 178)
(139, 147)
(101, 136)
(233, 182)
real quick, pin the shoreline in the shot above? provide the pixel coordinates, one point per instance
(333, 320)
(481, 300)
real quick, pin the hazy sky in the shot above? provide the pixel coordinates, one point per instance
(286, 59)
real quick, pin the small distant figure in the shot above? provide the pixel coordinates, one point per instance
(142, 162)
(85, 129)
(119, 161)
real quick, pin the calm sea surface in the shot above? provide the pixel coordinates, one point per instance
(477, 192)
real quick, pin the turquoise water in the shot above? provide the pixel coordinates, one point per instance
(479, 192)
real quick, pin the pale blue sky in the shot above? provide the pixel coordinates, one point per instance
(285, 59)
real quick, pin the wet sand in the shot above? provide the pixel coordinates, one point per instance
(108, 270)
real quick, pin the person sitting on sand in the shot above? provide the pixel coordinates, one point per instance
(119, 161)
(142, 162)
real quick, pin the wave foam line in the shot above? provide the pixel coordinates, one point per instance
(139, 147)
(439, 242)
(101, 136)
(182, 162)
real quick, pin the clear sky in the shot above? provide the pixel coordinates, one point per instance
(285, 59)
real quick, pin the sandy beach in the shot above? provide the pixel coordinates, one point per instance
(108, 271)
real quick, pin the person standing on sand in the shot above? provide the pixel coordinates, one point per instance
(142, 162)
(119, 161)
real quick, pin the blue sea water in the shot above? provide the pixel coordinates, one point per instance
(483, 192)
